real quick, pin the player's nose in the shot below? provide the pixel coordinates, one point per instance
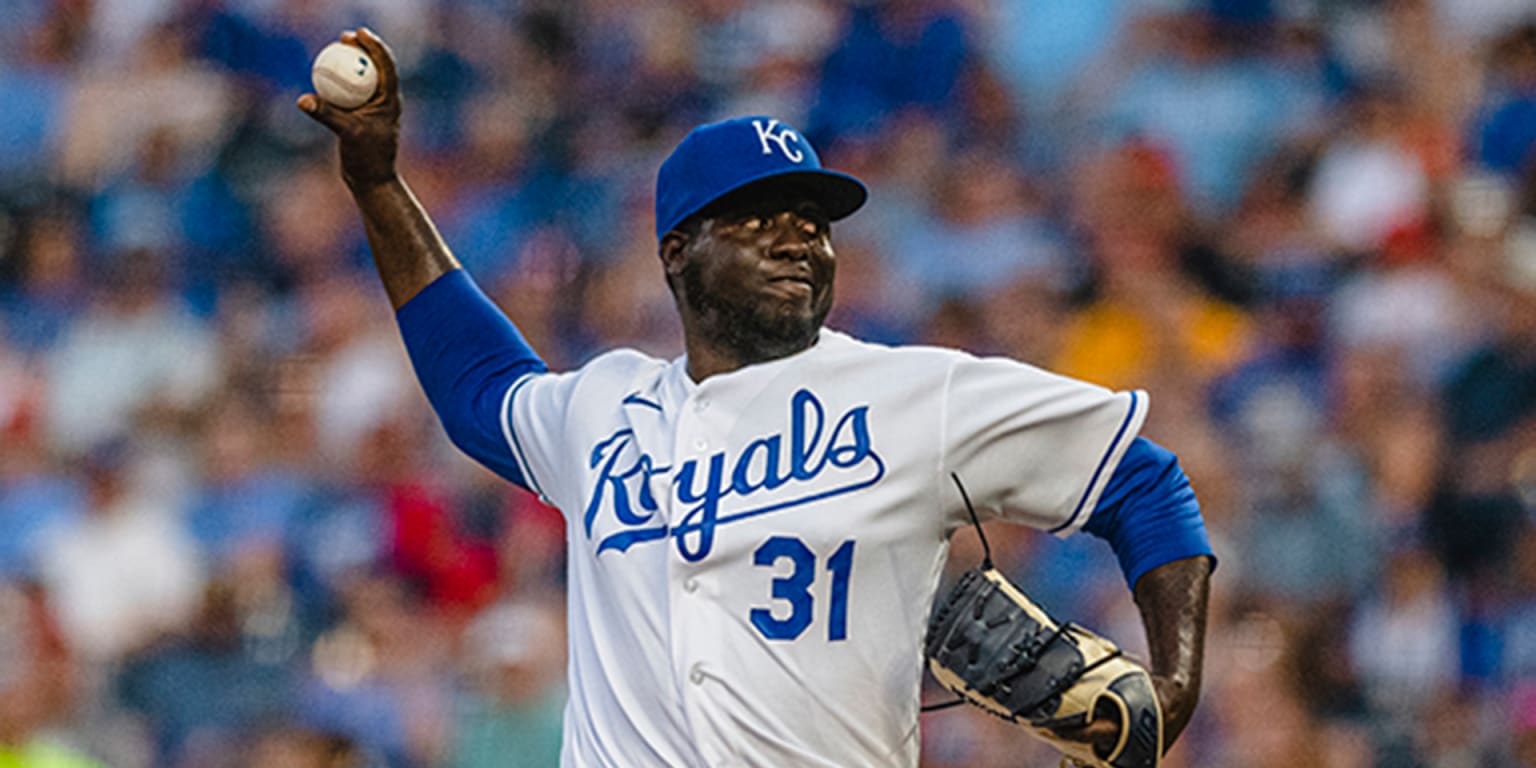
(790, 249)
(793, 238)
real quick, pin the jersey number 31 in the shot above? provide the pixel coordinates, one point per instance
(795, 588)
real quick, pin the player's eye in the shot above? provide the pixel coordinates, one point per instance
(812, 220)
(753, 224)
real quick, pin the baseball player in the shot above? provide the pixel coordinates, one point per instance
(757, 528)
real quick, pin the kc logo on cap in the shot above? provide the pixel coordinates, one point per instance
(785, 135)
(719, 158)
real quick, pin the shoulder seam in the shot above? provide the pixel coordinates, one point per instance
(511, 437)
(1116, 445)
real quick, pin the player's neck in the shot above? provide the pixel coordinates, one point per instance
(706, 359)
(704, 364)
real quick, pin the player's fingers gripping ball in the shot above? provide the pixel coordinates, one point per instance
(344, 75)
(992, 645)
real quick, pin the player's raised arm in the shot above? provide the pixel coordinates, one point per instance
(406, 247)
(465, 351)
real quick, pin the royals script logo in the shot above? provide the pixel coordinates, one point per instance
(817, 459)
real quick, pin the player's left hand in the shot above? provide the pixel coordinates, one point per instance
(369, 134)
(1104, 730)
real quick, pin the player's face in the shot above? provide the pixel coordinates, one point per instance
(758, 278)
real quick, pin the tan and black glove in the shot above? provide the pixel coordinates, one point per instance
(994, 647)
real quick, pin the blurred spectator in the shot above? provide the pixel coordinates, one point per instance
(626, 303)
(867, 301)
(1523, 722)
(1408, 303)
(890, 56)
(1439, 76)
(1148, 324)
(35, 494)
(767, 62)
(1456, 731)
(156, 86)
(1254, 707)
(245, 503)
(260, 46)
(31, 81)
(308, 232)
(1506, 129)
(50, 288)
(302, 748)
(374, 676)
(38, 683)
(1276, 403)
(511, 715)
(534, 294)
(499, 199)
(361, 376)
(1322, 654)
(430, 550)
(120, 573)
(1045, 47)
(1475, 20)
(140, 338)
(1489, 403)
(1212, 105)
(1026, 314)
(1368, 184)
(1404, 639)
(1302, 539)
(982, 229)
(532, 550)
(1516, 619)
(200, 694)
(161, 204)
(905, 161)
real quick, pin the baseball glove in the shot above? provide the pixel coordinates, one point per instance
(993, 646)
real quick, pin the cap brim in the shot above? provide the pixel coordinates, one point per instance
(839, 194)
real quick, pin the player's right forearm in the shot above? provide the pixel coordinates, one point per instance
(407, 249)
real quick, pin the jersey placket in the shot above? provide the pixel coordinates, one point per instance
(690, 592)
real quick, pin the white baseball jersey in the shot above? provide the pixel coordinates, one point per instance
(753, 557)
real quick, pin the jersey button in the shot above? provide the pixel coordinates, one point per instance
(701, 405)
(700, 444)
(691, 585)
(696, 675)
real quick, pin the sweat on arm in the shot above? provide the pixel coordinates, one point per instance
(467, 354)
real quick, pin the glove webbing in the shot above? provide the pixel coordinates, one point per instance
(1029, 656)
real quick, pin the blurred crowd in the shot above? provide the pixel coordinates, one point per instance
(232, 534)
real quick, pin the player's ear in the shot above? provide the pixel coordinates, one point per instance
(673, 252)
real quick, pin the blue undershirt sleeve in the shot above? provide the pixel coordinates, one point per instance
(466, 354)
(1148, 512)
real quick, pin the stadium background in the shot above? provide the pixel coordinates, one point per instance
(231, 534)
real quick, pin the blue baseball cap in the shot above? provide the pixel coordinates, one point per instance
(716, 159)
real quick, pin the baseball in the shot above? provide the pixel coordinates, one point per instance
(343, 75)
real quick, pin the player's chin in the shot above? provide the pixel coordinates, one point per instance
(795, 325)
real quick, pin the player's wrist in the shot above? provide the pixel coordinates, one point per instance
(1177, 698)
(368, 157)
(367, 181)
